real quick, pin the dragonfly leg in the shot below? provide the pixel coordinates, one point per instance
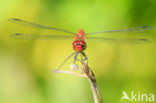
(84, 55)
(66, 60)
(77, 61)
(75, 58)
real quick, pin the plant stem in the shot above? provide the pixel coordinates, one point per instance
(90, 75)
(87, 74)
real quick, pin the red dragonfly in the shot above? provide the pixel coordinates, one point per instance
(79, 43)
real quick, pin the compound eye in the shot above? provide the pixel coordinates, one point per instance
(75, 42)
(82, 46)
(82, 43)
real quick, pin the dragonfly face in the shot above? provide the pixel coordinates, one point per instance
(79, 45)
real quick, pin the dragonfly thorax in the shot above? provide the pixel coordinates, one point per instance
(79, 45)
(80, 35)
(81, 32)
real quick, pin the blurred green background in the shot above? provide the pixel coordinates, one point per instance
(25, 65)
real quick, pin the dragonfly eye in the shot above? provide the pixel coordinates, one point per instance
(79, 45)
(75, 42)
(82, 42)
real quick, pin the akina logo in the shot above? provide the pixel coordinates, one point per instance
(138, 96)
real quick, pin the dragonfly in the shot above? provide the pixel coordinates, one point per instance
(79, 43)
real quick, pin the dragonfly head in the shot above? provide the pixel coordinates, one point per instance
(81, 32)
(79, 46)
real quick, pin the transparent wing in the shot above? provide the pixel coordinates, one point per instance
(34, 36)
(137, 29)
(26, 23)
(120, 40)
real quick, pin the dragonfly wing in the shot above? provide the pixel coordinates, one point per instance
(34, 36)
(26, 23)
(120, 40)
(137, 29)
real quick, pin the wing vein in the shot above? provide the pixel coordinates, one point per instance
(137, 29)
(26, 23)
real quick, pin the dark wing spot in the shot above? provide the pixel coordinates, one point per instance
(146, 27)
(16, 19)
(17, 34)
(143, 27)
(144, 39)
